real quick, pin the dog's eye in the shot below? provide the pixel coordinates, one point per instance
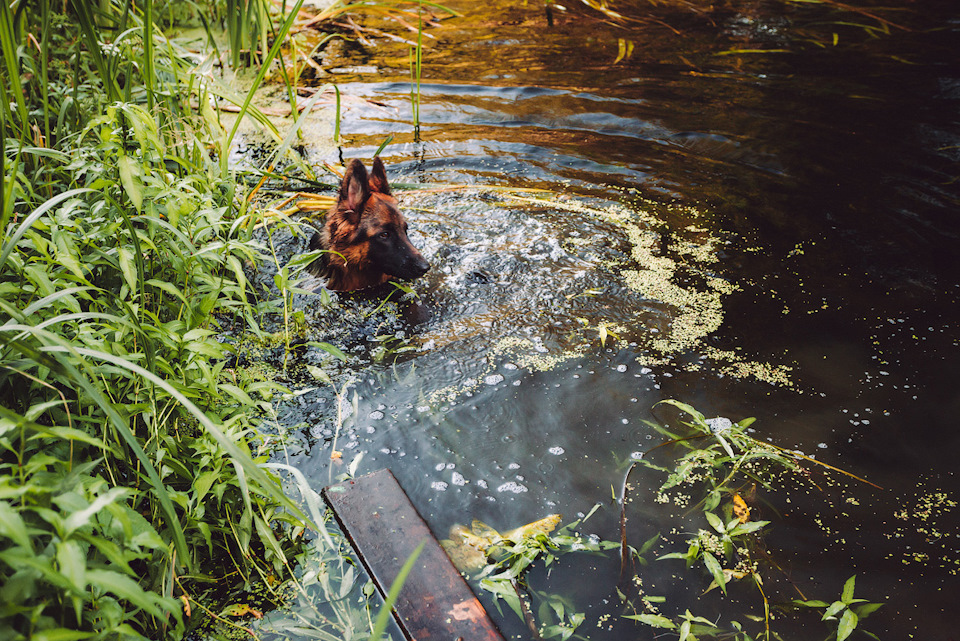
(384, 234)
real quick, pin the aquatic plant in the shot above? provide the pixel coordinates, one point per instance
(723, 460)
(500, 561)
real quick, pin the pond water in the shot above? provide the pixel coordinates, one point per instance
(755, 235)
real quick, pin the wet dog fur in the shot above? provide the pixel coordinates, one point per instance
(365, 239)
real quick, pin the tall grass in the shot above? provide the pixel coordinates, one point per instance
(129, 452)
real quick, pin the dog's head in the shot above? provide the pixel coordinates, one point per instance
(367, 229)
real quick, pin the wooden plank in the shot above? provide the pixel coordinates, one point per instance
(435, 604)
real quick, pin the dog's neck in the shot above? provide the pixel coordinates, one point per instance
(339, 276)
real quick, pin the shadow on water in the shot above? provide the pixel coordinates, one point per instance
(769, 236)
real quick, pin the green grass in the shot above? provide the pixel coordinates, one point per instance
(133, 471)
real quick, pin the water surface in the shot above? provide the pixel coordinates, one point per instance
(755, 235)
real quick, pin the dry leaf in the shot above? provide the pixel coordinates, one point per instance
(740, 508)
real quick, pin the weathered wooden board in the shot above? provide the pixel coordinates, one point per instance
(435, 604)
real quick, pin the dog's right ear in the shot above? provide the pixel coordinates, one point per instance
(355, 189)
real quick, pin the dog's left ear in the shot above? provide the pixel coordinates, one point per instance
(378, 177)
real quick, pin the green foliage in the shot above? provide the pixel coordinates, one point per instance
(512, 558)
(846, 612)
(719, 457)
(130, 462)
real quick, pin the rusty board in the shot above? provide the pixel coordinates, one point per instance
(435, 604)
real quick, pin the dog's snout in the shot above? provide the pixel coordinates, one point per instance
(420, 267)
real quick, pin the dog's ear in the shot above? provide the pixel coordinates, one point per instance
(355, 188)
(378, 177)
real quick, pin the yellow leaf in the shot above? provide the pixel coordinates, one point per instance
(624, 49)
(543, 526)
(241, 610)
(740, 508)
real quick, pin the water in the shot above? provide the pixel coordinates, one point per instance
(755, 235)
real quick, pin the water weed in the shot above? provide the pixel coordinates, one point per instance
(722, 463)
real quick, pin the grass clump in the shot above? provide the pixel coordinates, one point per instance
(131, 466)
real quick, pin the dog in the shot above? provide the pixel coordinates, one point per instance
(364, 240)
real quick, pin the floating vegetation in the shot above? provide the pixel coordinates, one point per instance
(718, 475)
(658, 276)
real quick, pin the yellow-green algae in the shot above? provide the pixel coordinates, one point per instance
(682, 282)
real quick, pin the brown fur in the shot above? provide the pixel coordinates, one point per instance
(365, 236)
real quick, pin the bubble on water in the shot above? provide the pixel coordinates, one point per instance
(719, 425)
(510, 366)
(516, 383)
(493, 379)
(439, 486)
(556, 450)
(822, 446)
(513, 466)
(376, 415)
(511, 486)
(482, 484)
(636, 456)
(439, 467)
(621, 368)
(457, 479)
(450, 466)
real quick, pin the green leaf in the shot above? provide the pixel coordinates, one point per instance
(715, 522)
(847, 595)
(848, 623)
(716, 570)
(330, 349)
(32, 218)
(726, 446)
(810, 604)
(128, 268)
(242, 397)
(832, 611)
(863, 611)
(126, 588)
(130, 179)
(13, 527)
(684, 407)
(748, 527)
(82, 517)
(654, 620)
(72, 563)
(319, 374)
(383, 617)
(202, 484)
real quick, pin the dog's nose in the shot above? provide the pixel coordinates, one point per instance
(420, 267)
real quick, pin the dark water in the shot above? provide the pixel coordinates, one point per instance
(759, 235)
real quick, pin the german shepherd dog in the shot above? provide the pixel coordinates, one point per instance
(365, 236)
